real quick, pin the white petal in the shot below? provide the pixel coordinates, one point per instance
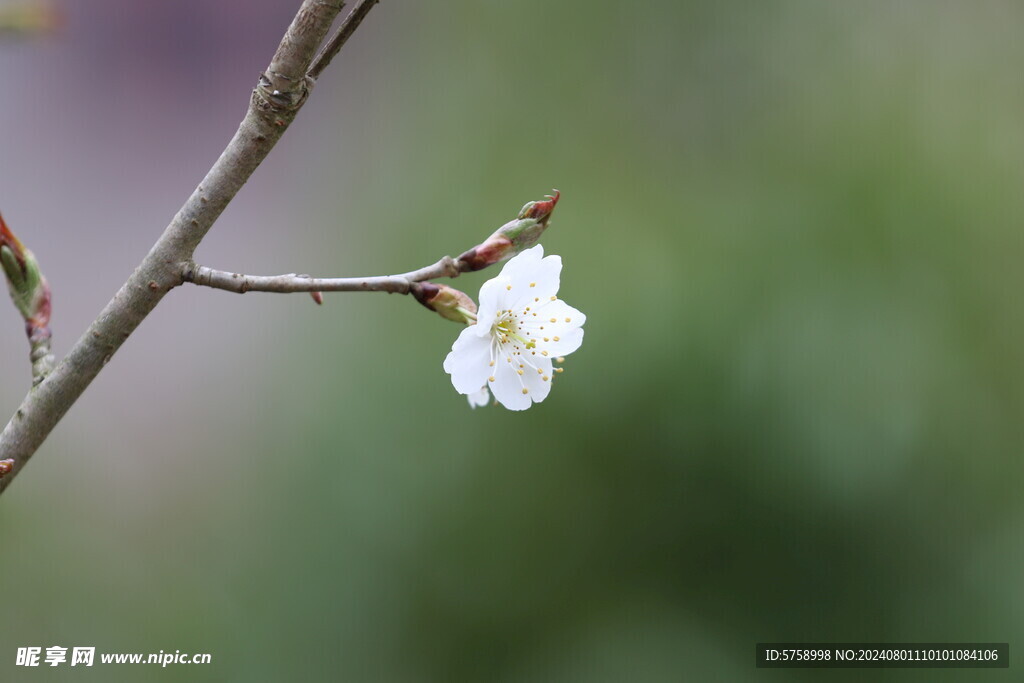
(560, 310)
(523, 262)
(492, 297)
(538, 378)
(537, 285)
(478, 399)
(509, 383)
(469, 361)
(507, 386)
(556, 328)
(568, 341)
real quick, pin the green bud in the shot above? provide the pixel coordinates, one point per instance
(446, 301)
(513, 237)
(29, 290)
(12, 268)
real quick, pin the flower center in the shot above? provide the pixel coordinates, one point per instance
(506, 329)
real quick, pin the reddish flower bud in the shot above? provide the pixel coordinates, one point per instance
(28, 287)
(513, 237)
(31, 296)
(446, 301)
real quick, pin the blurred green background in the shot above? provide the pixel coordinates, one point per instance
(794, 228)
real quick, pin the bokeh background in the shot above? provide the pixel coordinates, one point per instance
(794, 227)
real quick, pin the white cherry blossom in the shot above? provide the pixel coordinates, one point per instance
(478, 399)
(522, 326)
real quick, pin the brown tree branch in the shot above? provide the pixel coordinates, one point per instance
(292, 283)
(281, 92)
(344, 32)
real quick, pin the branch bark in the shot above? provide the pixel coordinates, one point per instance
(281, 92)
(291, 283)
(344, 32)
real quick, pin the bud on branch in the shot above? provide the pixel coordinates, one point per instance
(31, 296)
(513, 237)
(448, 302)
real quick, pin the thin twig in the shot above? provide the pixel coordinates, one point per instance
(291, 283)
(281, 91)
(345, 31)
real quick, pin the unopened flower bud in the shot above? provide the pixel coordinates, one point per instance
(31, 296)
(28, 287)
(447, 301)
(513, 237)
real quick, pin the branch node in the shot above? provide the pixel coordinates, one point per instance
(451, 267)
(282, 98)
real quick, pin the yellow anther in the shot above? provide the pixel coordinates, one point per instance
(543, 353)
(545, 378)
(525, 390)
(559, 369)
(508, 286)
(554, 320)
(492, 363)
(539, 371)
(491, 378)
(519, 371)
(556, 339)
(546, 339)
(533, 284)
(561, 359)
(568, 320)
(553, 298)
